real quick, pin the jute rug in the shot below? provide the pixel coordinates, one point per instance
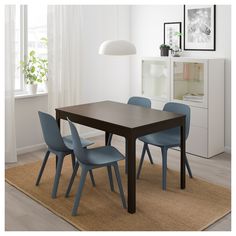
(194, 208)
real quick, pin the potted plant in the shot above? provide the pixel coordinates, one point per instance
(164, 50)
(35, 71)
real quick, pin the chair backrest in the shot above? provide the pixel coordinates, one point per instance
(140, 101)
(78, 149)
(51, 132)
(180, 109)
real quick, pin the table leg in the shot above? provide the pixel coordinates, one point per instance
(130, 144)
(182, 162)
(106, 137)
(58, 119)
(126, 157)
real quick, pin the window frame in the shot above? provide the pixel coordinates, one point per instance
(24, 34)
(23, 45)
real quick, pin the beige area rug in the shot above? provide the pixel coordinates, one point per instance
(194, 208)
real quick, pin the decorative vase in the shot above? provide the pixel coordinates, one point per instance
(164, 52)
(31, 88)
(176, 51)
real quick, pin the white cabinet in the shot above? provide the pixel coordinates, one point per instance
(198, 83)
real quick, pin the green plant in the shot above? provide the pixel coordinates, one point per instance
(164, 46)
(35, 69)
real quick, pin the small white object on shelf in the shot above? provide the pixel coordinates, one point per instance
(193, 97)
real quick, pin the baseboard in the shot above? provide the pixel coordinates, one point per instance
(31, 148)
(37, 147)
(91, 134)
(228, 149)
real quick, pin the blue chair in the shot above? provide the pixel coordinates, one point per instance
(143, 102)
(167, 139)
(89, 159)
(60, 146)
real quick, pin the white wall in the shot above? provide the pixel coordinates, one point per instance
(103, 77)
(28, 131)
(147, 34)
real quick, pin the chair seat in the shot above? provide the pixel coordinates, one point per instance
(102, 156)
(68, 142)
(160, 139)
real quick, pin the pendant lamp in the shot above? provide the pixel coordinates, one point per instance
(117, 47)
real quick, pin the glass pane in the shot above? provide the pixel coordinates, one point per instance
(17, 51)
(37, 30)
(189, 81)
(155, 79)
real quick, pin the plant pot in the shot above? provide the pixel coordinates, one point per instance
(164, 52)
(31, 88)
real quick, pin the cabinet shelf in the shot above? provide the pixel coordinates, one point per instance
(188, 80)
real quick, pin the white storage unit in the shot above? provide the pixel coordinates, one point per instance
(198, 83)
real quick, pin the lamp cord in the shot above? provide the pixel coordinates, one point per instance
(117, 22)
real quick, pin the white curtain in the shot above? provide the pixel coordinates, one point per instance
(10, 136)
(63, 57)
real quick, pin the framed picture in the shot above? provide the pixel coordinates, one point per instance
(172, 34)
(200, 27)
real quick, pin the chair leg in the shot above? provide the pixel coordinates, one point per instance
(109, 139)
(117, 172)
(79, 191)
(149, 154)
(73, 160)
(92, 178)
(141, 161)
(72, 179)
(110, 178)
(164, 167)
(42, 167)
(91, 175)
(56, 162)
(57, 176)
(188, 167)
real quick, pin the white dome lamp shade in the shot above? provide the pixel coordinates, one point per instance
(117, 47)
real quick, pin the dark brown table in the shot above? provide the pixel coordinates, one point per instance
(130, 122)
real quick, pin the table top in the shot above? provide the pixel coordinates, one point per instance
(121, 114)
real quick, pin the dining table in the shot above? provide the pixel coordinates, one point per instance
(131, 122)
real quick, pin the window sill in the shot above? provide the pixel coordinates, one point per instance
(26, 95)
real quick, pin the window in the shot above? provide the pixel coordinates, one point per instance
(31, 28)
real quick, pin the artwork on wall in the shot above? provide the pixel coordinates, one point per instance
(172, 34)
(199, 27)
